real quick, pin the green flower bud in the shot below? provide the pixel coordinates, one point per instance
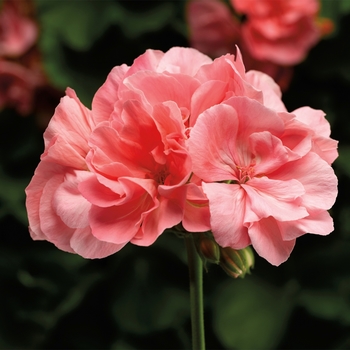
(207, 248)
(236, 263)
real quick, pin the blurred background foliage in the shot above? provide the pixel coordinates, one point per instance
(138, 298)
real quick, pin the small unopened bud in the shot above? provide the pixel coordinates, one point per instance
(236, 263)
(207, 248)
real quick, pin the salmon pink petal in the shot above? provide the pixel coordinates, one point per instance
(176, 60)
(69, 204)
(196, 214)
(227, 212)
(169, 122)
(324, 146)
(111, 153)
(166, 215)
(269, 152)
(267, 241)
(60, 152)
(229, 69)
(279, 199)
(147, 61)
(107, 95)
(51, 225)
(319, 223)
(72, 121)
(100, 195)
(127, 189)
(119, 224)
(271, 91)
(157, 87)
(216, 129)
(86, 245)
(255, 117)
(296, 137)
(208, 94)
(66, 138)
(47, 178)
(317, 178)
(315, 119)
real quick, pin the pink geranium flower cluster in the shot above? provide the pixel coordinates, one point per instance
(18, 34)
(274, 35)
(180, 138)
(24, 86)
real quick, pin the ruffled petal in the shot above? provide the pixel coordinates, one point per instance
(267, 241)
(107, 95)
(279, 199)
(227, 205)
(317, 178)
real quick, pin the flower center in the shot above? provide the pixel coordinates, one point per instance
(245, 173)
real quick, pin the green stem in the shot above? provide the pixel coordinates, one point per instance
(195, 267)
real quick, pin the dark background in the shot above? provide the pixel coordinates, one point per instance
(138, 298)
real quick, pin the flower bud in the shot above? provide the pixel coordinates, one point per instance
(236, 263)
(207, 248)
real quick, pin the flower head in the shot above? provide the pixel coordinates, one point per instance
(179, 138)
(265, 183)
(17, 32)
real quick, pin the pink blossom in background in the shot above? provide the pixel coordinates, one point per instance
(274, 36)
(17, 84)
(213, 29)
(152, 152)
(280, 31)
(17, 32)
(24, 86)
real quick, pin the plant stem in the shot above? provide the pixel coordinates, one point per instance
(195, 267)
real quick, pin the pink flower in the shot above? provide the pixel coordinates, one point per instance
(280, 31)
(264, 175)
(17, 32)
(120, 172)
(151, 153)
(17, 85)
(213, 30)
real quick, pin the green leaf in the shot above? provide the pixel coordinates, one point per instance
(144, 307)
(344, 6)
(326, 304)
(142, 310)
(77, 23)
(148, 21)
(250, 315)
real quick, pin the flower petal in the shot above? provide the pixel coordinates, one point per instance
(317, 178)
(227, 211)
(279, 199)
(107, 95)
(267, 241)
(68, 202)
(320, 223)
(212, 144)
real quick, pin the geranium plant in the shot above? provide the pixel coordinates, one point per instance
(180, 142)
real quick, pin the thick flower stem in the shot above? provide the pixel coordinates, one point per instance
(195, 267)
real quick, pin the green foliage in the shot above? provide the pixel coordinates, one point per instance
(138, 298)
(77, 25)
(334, 10)
(249, 314)
(328, 305)
(144, 307)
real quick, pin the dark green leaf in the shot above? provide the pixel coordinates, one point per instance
(250, 315)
